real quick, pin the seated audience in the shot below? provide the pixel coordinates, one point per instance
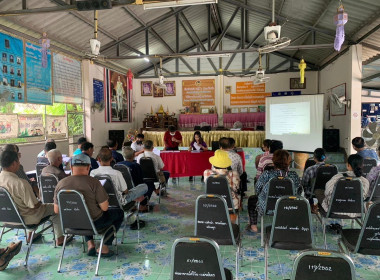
(112, 145)
(137, 176)
(226, 145)
(355, 169)
(311, 172)
(7, 254)
(125, 195)
(172, 139)
(55, 160)
(96, 199)
(31, 210)
(48, 146)
(20, 172)
(198, 144)
(359, 146)
(232, 152)
(256, 203)
(88, 150)
(265, 148)
(372, 176)
(267, 160)
(42, 153)
(80, 141)
(221, 165)
(157, 160)
(138, 145)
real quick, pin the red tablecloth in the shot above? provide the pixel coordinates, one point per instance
(185, 163)
(191, 120)
(248, 119)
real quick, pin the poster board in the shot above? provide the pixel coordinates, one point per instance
(202, 91)
(67, 79)
(249, 87)
(56, 125)
(340, 91)
(98, 91)
(31, 125)
(38, 75)
(248, 99)
(12, 80)
(8, 126)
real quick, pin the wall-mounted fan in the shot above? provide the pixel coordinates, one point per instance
(371, 134)
(260, 78)
(340, 101)
(160, 83)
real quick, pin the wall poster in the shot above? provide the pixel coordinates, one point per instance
(8, 126)
(31, 125)
(56, 125)
(67, 77)
(12, 66)
(38, 74)
(202, 91)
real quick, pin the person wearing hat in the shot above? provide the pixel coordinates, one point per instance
(96, 199)
(221, 165)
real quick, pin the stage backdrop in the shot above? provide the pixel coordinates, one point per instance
(67, 77)
(202, 91)
(38, 75)
(12, 66)
(118, 97)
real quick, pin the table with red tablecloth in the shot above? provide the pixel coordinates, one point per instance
(191, 120)
(185, 163)
(247, 119)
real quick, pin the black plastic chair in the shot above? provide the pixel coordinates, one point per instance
(47, 187)
(347, 198)
(197, 127)
(309, 162)
(76, 220)
(366, 240)
(150, 175)
(212, 220)
(215, 145)
(39, 167)
(126, 175)
(368, 164)
(278, 187)
(268, 167)
(324, 173)
(218, 184)
(11, 219)
(326, 265)
(375, 195)
(206, 128)
(204, 256)
(291, 228)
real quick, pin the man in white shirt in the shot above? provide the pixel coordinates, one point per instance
(138, 145)
(125, 195)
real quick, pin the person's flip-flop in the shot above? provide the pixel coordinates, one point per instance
(36, 237)
(107, 255)
(91, 252)
(9, 254)
(134, 225)
(68, 240)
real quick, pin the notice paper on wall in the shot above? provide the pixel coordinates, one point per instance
(8, 126)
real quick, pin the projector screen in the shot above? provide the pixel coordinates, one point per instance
(297, 121)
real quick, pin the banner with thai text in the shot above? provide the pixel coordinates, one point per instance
(202, 91)
(249, 87)
(248, 99)
(31, 125)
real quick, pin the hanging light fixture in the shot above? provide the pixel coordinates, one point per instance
(340, 19)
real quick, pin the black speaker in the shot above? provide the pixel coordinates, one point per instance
(117, 135)
(87, 5)
(331, 140)
(215, 145)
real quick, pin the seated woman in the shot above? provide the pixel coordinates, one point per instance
(221, 165)
(355, 169)
(198, 144)
(311, 172)
(265, 148)
(256, 203)
(372, 175)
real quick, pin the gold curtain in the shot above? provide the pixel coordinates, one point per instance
(252, 139)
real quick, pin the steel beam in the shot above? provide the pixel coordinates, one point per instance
(208, 27)
(177, 42)
(217, 41)
(278, 66)
(365, 36)
(232, 58)
(242, 44)
(252, 65)
(370, 78)
(23, 5)
(252, 42)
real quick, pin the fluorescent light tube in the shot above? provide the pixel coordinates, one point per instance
(178, 3)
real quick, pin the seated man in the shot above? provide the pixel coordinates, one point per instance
(55, 160)
(138, 145)
(48, 146)
(88, 150)
(96, 199)
(112, 145)
(125, 195)
(359, 146)
(157, 160)
(80, 141)
(372, 176)
(137, 175)
(29, 208)
(311, 172)
(42, 153)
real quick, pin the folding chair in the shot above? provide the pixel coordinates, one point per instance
(309, 162)
(269, 166)
(375, 195)
(150, 175)
(47, 187)
(212, 220)
(324, 174)
(126, 174)
(114, 202)
(197, 257)
(39, 168)
(291, 228)
(11, 219)
(326, 265)
(366, 240)
(347, 198)
(368, 164)
(278, 187)
(76, 220)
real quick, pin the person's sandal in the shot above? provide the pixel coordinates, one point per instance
(8, 255)
(91, 252)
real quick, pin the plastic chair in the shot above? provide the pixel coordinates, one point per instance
(47, 187)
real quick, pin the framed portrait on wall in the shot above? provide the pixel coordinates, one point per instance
(146, 88)
(158, 91)
(170, 88)
(227, 89)
(295, 83)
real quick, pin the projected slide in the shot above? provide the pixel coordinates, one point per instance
(290, 118)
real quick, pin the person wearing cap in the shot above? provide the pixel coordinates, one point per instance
(172, 139)
(221, 165)
(96, 199)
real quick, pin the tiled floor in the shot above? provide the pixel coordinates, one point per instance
(147, 253)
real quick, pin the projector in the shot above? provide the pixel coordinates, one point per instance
(95, 46)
